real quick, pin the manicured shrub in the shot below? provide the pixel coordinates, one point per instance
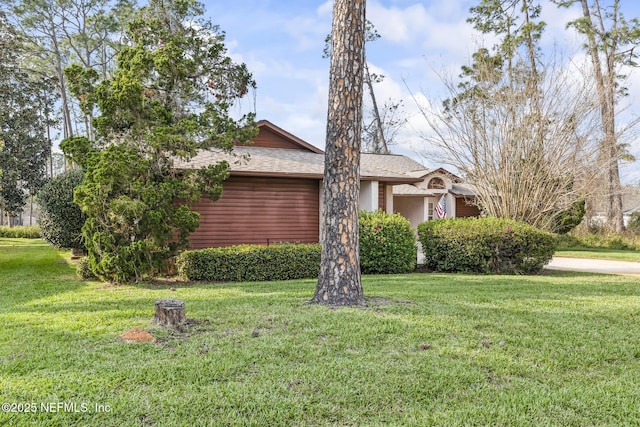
(485, 245)
(251, 263)
(24, 232)
(387, 243)
(61, 219)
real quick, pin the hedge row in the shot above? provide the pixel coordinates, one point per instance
(26, 232)
(387, 245)
(485, 245)
(469, 245)
(251, 263)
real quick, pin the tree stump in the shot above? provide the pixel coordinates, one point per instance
(170, 313)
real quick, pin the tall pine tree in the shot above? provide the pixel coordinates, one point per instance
(611, 42)
(339, 279)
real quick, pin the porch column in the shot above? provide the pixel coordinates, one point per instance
(369, 196)
(451, 205)
(388, 195)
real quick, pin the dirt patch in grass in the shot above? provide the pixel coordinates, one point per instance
(137, 335)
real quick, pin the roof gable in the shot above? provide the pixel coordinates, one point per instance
(272, 136)
(443, 172)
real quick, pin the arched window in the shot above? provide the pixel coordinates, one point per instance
(436, 184)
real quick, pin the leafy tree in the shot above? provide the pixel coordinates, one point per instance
(25, 102)
(169, 97)
(339, 278)
(611, 41)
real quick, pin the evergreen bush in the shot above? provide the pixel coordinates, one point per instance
(485, 245)
(387, 243)
(61, 219)
(569, 219)
(83, 270)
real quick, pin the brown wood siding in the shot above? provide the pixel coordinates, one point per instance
(259, 211)
(466, 208)
(267, 139)
(382, 200)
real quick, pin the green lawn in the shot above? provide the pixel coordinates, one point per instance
(600, 253)
(432, 349)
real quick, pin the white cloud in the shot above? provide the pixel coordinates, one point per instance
(325, 9)
(399, 25)
(421, 42)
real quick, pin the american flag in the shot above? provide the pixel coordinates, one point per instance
(441, 208)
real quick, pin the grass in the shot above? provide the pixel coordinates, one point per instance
(600, 253)
(432, 349)
(611, 246)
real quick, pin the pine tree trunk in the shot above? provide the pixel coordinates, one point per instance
(605, 79)
(339, 279)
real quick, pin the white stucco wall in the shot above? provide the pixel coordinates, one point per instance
(411, 208)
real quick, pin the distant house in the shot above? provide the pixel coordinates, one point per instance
(630, 205)
(274, 191)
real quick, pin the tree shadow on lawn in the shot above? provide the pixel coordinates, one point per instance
(33, 272)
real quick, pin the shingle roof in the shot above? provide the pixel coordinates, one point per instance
(463, 190)
(259, 161)
(630, 203)
(394, 163)
(412, 190)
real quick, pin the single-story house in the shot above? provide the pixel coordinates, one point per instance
(274, 192)
(630, 205)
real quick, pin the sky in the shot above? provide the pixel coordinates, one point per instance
(282, 42)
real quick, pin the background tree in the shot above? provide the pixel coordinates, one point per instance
(62, 32)
(339, 278)
(380, 123)
(169, 97)
(516, 128)
(611, 41)
(528, 165)
(381, 126)
(25, 100)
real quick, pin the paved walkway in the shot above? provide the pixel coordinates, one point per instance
(594, 265)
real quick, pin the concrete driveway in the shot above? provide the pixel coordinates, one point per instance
(594, 265)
